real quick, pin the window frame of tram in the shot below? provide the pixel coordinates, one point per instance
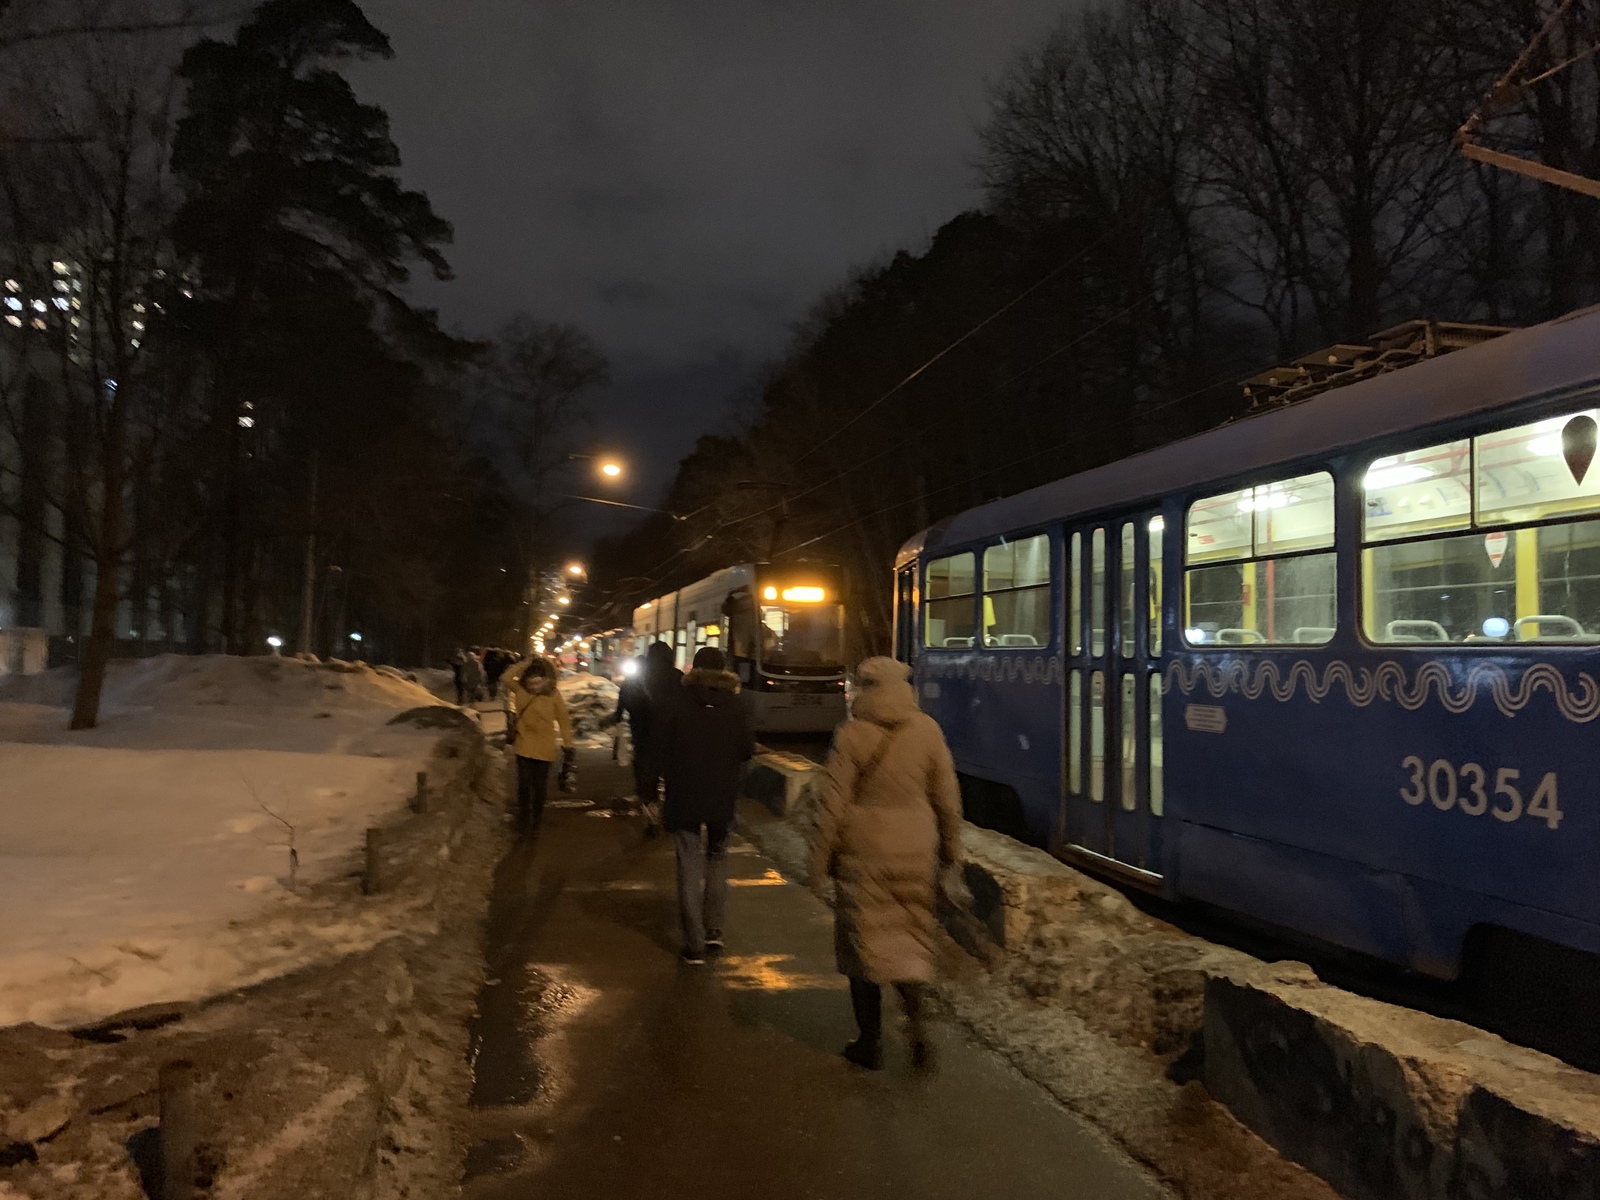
(1018, 609)
(1268, 552)
(938, 599)
(1454, 551)
(1091, 656)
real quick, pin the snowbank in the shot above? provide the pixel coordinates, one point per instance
(148, 860)
(168, 680)
(590, 700)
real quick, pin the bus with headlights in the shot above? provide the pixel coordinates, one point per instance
(781, 627)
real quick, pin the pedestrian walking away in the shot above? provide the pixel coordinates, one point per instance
(645, 700)
(538, 714)
(458, 671)
(705, 740)
(890, 819)
(472, 675)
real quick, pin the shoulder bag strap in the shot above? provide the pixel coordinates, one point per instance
(870, 767)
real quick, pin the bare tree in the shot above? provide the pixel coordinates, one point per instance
(95, 281)
(534, 391)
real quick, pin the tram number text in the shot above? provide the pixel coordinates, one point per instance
(1469, 788)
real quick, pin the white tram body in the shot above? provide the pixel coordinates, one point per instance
(781, 628)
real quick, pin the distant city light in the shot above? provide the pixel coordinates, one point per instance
(563, 600)
(355, 637)
(275, 642)
(574, 568)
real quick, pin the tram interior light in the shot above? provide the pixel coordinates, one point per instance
(1496, 627)
(1389, 472)
(1195, 636)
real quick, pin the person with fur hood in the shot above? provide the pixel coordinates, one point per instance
(890, 818)
(705, 739)
(535, 713)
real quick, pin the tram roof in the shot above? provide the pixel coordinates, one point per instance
(1543, 360)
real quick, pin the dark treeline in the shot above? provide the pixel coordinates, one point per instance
(1178, 191)
(220, 419)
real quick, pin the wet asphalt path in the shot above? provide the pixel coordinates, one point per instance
(604, 1067)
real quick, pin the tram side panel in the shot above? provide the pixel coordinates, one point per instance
(1388, 800)
(1000, 714)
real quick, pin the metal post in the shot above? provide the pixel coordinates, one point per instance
(177, 1130)
(420, 802)
(372, 881)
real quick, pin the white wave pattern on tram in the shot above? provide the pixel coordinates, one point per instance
(1389, 682)
(1008, 668)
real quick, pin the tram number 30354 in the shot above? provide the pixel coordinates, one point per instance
(1469, 788)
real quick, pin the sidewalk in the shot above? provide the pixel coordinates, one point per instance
(606, 1067)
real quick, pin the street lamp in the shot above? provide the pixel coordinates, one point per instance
(575, 568)
(563, 600)
(611, 470)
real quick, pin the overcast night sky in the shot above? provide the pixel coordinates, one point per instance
(683, 178)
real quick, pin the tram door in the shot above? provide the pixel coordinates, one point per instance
(1113, 786)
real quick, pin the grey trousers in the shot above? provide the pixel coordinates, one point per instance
(702, 883)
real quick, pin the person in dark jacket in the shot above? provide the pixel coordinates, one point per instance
(706, 738)
(658, 691)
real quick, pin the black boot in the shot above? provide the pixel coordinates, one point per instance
(911, 995)
(867, 1000)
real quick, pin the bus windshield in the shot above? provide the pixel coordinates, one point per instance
(803, 641)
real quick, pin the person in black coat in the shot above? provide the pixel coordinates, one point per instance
(646, 699)
(706, 738)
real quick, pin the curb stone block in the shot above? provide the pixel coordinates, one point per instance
(1385, 1102)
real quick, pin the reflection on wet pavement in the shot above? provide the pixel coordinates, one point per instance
(604, 1066)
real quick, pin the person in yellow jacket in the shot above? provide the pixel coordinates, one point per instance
(536, 713)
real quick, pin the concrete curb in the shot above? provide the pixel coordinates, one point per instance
(1386, 1102)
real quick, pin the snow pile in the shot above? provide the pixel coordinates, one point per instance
(148, 860)
(590, 700)
(174, 679)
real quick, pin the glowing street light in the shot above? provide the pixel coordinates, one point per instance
(611, 470)
(563, 600)
(355, 637)
(575, 568)
(275, 642)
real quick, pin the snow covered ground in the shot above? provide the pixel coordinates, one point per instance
(148, 860)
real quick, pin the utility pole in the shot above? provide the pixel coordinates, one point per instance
(308, 590)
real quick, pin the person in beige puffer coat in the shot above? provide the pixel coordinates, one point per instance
(890, 817)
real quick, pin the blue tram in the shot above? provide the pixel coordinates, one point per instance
(1333, 667)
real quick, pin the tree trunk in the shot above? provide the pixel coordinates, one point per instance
(97, 649)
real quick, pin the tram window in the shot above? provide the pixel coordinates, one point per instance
(1156, 528)
(1097, 594)
(950, 617)
(1524, 585)
(1526, 572)
(1125, 592)
(1255, 575)
(1097, 736)
(1421, 491)
(1016, 593)
(1075, 733)
(1157, 756)
(1075, 628)
(1129, 795)
(1523, 473)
